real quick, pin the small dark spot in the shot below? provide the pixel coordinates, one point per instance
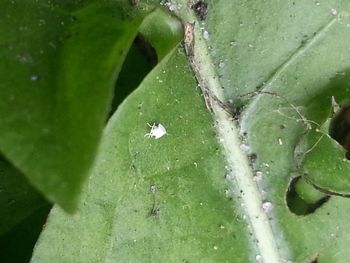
(73, 18)
(315, 260)
(282, 126)
(155, 211)
(133, 2)
(201, 9)
(236, 113)
(252, 157)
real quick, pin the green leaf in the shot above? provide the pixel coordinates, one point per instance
(59, 64)
(159, 34)
(219, 193)
(163, 31)
(121, 217)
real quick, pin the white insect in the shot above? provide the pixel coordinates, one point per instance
(157, 131)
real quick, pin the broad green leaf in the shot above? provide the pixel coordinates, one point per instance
(325, 163)
(153, 200)
(178, 198)
(59, 64)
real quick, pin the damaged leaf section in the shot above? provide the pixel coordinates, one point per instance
(325, 147)
(302, 198)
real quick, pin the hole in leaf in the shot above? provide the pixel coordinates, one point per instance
(302, 198)
(339, 128)
(139, 61)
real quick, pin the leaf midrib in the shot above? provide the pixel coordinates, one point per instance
(228, 132)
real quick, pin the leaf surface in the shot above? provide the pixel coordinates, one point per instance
(59, 64)
(147, 195)
(178, 198)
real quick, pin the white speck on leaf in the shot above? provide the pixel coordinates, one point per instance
(157, 131)
(153, 188)
(34, 77)
(205, 35)
(280, 142)
(267, 206)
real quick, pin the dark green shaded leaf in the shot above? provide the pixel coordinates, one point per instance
(58, 71)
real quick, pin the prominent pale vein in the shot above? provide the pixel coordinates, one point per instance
(228, 132)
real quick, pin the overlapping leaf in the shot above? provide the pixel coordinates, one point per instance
(167, 200)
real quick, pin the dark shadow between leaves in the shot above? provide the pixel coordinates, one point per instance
(23, 213)
(139, 61)
(339, 128)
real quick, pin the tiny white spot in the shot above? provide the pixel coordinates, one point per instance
(205, 35)
(233, 43)
(318, 3)
(157, 131)
(34, 77)
(334, 11)
(267, 206)
(244, 147)
(258, 176)
(153, 188)
(258, 257)
(280, 142)
(215, 247)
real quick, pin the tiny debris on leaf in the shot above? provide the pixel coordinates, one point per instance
(201, 9)
(157, 131)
